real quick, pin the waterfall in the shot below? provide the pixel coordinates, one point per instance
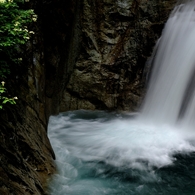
(170, 95)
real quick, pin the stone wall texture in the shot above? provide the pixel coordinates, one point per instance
(116, 39)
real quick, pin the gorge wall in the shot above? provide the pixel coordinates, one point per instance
(116, 39)
(87, 54)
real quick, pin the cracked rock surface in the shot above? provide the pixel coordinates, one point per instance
(117, 37)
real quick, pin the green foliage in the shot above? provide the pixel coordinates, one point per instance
(14, 32)
(13, 23)
(3, 97)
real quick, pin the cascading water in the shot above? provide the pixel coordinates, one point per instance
(171, 87)
(99, 153)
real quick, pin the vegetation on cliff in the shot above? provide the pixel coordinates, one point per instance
(14, 32)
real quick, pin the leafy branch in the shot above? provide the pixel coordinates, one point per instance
(14, 32)
(4, 99)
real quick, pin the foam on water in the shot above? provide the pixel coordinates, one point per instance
(124, 145)
(119, 142)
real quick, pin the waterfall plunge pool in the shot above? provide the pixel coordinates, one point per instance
(100, 153)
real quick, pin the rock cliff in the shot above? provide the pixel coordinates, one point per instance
(84, 55)
(27, 158)
(117, 37)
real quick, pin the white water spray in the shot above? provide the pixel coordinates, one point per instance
(171, 87)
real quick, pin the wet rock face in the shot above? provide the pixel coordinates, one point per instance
(26, 156)
(117, 38)
(60, 47)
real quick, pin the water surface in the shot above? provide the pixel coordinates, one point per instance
(100, 153)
